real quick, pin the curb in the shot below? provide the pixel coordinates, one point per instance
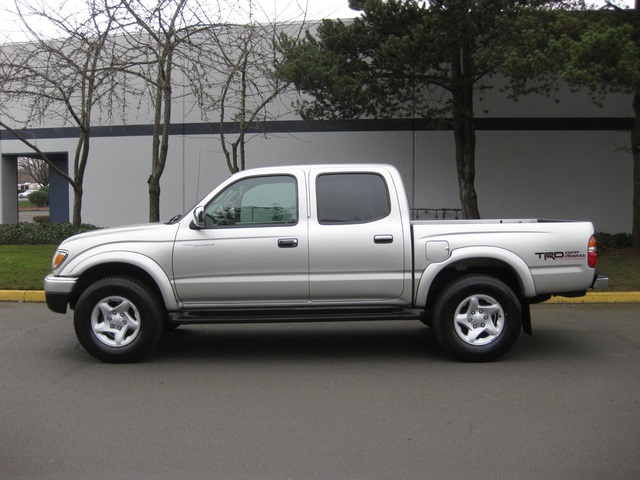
(22, 296)
(593, 297)
(600, 297)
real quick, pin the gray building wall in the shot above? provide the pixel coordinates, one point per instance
(535, 158)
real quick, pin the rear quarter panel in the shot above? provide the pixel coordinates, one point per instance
(547, 256)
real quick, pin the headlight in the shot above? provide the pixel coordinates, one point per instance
(58, 258)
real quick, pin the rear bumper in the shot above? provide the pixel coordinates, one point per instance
(57, 291)
(600, 281)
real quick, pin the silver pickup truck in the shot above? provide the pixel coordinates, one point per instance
(317, 243)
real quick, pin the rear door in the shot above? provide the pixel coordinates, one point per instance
(356, 238)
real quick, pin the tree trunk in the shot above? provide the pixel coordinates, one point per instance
(77, 205)
(465, 138)
(465, 132)
(153, 180)
(160, 134)
(154, 198)
(635, 149)
(79, 167)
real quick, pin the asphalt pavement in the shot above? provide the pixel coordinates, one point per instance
(374, 400)
(27, 214)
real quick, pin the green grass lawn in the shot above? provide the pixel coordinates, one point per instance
(623, 268)
(23, 267)
(24, 203)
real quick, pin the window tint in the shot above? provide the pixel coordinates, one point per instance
(351, 198)
(255, 201)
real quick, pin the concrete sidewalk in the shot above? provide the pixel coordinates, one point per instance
(593, 297)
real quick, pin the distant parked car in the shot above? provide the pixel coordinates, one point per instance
(25, 193)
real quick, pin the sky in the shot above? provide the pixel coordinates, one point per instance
(262, 10)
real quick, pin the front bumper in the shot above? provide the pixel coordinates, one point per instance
(600, 281)
(57, 291)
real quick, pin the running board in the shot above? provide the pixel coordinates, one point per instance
(293, 315)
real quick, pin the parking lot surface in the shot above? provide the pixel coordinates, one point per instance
(374, 400)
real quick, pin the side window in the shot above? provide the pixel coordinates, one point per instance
(255, 201)
(351, 198)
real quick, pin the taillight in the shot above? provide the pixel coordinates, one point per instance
(592, 252)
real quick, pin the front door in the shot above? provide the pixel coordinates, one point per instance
(253, 249)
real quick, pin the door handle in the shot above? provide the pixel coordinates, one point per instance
(288, 242)
(383, 239)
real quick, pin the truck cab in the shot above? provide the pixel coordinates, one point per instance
(297, 237)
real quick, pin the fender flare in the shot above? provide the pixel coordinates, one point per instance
(516, 263)
(82, 264)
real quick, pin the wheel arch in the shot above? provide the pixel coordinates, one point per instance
(496, 262)
(127, 265)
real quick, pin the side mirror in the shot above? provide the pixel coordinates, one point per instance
(198, 217)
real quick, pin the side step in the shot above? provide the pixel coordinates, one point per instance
(308, 314)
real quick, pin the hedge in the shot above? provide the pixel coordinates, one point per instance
(613, 241)
(39, 233)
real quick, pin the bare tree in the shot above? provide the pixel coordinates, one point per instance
(237, 82)
(162, 34)
(162, 48)
(34, 168)
(228, 68)
(59, 81)
(243, 63)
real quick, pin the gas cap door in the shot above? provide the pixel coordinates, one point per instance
(437, 250)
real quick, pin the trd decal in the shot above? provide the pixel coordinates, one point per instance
(560, 255)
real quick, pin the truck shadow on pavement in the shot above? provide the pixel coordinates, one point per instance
(556, 344)
(353, 341)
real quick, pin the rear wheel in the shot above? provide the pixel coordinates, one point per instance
(477, 318)
(118, 319)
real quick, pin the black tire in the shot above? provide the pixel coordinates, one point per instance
(477, 318)
(118, 319)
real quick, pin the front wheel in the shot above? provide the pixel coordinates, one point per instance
(477, 318)
(117, 319)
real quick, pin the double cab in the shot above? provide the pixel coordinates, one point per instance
(317, 243)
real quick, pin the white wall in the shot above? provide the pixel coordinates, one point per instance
(562, 175)
(543, 174)
(559, 175)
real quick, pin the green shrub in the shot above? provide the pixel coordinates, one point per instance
(39, 233)
(39, 198)
(41, 219)
(613, 241)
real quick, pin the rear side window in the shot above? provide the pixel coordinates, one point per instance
(351, 198)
